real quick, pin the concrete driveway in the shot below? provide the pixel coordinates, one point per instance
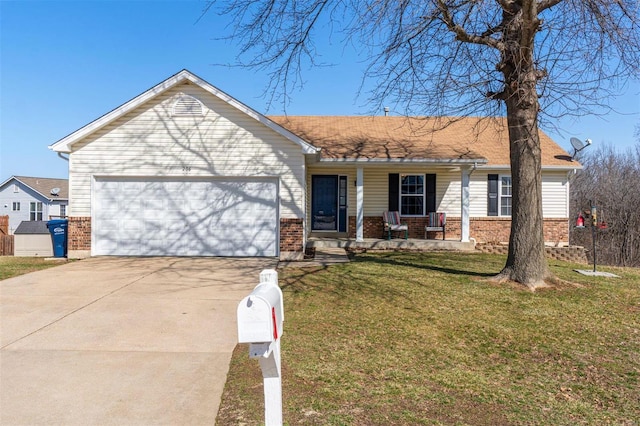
(120, 340)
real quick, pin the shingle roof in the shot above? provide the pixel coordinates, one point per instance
(417, 138)
(45, 185)
(32, 227)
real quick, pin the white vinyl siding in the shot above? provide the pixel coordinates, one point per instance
(376, 186)
(448, 189)
(555, 196)
(222, 142)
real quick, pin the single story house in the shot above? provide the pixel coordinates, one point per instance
(186, 170)
(25, 198)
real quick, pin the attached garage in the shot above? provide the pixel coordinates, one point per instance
(185, 217)
(184, 169)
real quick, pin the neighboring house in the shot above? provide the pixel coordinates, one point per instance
(185, 169)
(25, 198)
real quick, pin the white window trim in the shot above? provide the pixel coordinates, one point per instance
(424, 194)
(36, 204)
(15, 207)
(501, 196)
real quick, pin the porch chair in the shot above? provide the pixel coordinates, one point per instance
(392, 223)
(437, 223)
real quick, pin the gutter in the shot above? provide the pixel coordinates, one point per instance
(448, 162)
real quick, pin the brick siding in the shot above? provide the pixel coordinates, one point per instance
(79, 233)
(291, 235)
(483, 229)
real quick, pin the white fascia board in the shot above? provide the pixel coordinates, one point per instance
(7, 181)
(567, 168)
(64, 144)
(382, 161)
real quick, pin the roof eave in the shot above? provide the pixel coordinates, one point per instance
(432, 161)
(569, 167)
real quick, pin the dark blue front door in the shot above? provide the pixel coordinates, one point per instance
(324, 203)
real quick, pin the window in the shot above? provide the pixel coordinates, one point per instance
(16, 206)
(499, 192)
(505, 196)
(63, 210)
(35, 211)
(412, 195)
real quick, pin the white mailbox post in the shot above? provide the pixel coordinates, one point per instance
(260, 318)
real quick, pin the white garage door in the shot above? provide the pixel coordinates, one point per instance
(138, 217)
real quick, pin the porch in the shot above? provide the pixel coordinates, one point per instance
(393, 244)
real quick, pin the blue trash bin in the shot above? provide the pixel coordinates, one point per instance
(58, 231)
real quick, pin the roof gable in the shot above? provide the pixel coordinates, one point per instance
(65, 144)
(43, 186)
(446, 140)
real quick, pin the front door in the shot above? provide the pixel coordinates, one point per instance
(324, 203)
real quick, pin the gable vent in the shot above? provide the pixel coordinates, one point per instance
(187, 105)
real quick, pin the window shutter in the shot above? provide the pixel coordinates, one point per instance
(431, 193)
(394, 192)
(492, 209)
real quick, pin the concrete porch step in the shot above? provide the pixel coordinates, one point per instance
(324, 256)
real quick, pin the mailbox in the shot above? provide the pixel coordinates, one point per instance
(260, 318)
(260, 314)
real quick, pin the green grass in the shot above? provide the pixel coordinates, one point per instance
(11, 266)
(423, 338)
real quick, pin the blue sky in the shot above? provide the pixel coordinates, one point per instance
(64, 64)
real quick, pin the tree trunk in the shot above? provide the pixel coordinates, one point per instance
(526, 262)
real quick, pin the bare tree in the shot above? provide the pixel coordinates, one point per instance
(528, 59)
(610, 180)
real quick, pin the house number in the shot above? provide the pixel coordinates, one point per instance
(186, 169)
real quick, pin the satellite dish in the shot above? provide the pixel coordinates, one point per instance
(578, 146)
(55, 191)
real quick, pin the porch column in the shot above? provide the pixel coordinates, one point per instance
(359, 204)
(464, 202)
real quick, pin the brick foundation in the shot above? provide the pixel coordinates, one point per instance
(79, 233)
(78, 237)
(482, 229)
(291, 238)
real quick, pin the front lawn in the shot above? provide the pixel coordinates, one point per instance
(11, 266)
(422, 338)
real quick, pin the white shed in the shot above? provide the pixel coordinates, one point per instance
(32, 238)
